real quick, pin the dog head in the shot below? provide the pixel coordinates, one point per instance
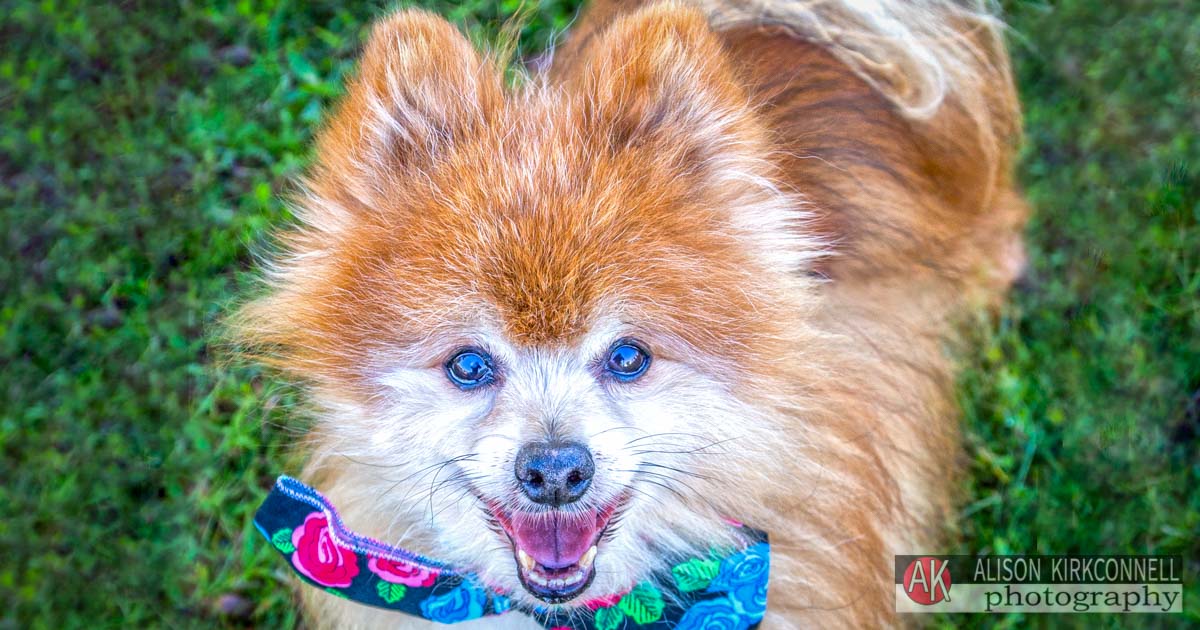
(549, 328)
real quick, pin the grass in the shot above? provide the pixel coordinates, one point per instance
(143, 149)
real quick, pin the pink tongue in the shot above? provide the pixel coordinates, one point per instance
(555, 540)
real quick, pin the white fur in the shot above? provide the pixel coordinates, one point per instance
(676, 415)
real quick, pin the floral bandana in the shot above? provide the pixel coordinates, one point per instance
(722, 591)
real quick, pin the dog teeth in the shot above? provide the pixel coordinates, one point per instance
(535, 574)
(526, 562)
(586, 560)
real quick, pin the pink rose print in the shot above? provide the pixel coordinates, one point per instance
(402, 572)
(318, 558)
(607, 601)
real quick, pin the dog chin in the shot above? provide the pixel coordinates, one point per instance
(554, 551)
(564, 558)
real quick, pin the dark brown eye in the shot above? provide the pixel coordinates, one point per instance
(627, 360)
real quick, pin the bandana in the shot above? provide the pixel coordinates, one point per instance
(725, 589)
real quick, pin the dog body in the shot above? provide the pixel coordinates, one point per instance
(775, 211)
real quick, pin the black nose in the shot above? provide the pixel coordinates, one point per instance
(554, 473)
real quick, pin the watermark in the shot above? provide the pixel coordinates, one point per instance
(1039, 584)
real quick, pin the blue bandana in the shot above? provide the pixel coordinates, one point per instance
(721, 590)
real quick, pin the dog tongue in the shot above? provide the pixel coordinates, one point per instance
(555, 540)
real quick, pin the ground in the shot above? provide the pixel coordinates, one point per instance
(145, 149)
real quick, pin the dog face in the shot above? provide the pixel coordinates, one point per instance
(549, 328)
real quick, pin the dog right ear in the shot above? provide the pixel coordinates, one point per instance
(420, 86)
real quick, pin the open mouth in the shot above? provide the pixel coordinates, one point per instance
(555, 550)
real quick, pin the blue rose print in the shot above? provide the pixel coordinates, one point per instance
(501, 604)
(461, 604)
(714, 614)
(744, 577)
(751, 600)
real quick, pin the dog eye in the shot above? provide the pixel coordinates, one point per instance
(627, 360)
(470, 368)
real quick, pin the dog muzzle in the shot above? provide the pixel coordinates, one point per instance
(724, 590)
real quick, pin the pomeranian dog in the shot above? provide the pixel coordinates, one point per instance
(707, 265)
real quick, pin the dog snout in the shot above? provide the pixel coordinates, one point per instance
(554, 473)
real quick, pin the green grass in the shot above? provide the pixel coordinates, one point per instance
(143, 149)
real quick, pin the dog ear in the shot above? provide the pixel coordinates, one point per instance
(658, 85)
(660, 74)
(420, 86)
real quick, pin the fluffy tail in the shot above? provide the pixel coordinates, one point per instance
(917, 53)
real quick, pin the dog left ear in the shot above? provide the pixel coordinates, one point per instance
(660, 75)
(658, 82)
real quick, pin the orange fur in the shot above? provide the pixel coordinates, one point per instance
(688, 183)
